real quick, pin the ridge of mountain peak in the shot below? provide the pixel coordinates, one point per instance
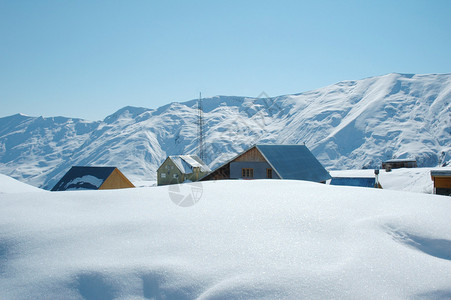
(348, 125)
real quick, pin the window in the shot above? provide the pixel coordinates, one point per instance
(247, 173)
(175, 175)
(163, 175)
(268, 173)
(167, 167)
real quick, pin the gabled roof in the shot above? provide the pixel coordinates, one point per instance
(289, 162)
(187, 163)
(294, 162)
(83, 178)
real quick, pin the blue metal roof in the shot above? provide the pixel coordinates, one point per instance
(294, 162)
(83, 178)
(354, 181)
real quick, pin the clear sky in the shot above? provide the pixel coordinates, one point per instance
(90, 58)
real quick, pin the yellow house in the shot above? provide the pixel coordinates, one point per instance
(93, 178)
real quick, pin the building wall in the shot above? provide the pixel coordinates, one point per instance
(443, 191)
(169, 168)
(442, 185)
(116, 180)
(258, 166)
(196, 175)
(354, 181)
(442, 182)
(399, 164)
(251, 155)
(219, 174)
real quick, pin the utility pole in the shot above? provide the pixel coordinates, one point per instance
(200, 129)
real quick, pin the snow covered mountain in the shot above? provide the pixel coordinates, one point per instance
(351, 124)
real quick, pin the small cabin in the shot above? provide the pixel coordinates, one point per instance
(399, 163)
(180, 168)
(272, 162)
(442, 182)
(92, 178)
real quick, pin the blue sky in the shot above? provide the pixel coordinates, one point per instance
(90, 58)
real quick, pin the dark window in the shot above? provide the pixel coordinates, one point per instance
(268, 173)
(247, 173)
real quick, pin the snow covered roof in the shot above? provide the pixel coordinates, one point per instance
(186, 163)
(438, 173)
(294, 162)
(83, 178)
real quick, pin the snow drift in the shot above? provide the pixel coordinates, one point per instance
(261, 239)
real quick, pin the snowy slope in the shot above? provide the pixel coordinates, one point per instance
(243, 240)
(32, 149)
(9, 185)
(348, 125)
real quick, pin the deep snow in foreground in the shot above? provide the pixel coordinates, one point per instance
(243, 240)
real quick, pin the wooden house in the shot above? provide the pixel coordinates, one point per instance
(92, 178)
(180, 168)
(442, 182)
(272, 162)
(399, 163)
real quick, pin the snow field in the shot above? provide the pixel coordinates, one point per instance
(9, 185)
(405, 179)
(258, 239)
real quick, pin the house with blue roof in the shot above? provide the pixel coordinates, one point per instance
(181, 168)
(92, 178)
(272, 162)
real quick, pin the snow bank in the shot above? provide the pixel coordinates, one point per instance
(243, 240)
(405, 179)
(9, 185)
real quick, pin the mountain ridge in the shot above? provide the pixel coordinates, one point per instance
(349, 124)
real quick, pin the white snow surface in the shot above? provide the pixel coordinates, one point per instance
(261, 239)
(349, 125)
(10, 185)
(89, 179)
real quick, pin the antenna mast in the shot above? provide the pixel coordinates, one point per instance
(200, 130)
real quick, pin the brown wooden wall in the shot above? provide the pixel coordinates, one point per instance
(442, 182)
(116, 180)
(252, 155)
